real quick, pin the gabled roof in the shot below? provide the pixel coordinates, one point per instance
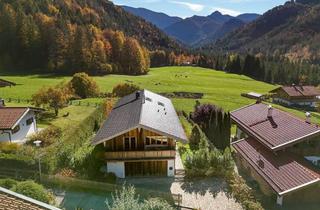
(283, 171)
(276, 132)
(4, 83)
(299, 91)
(10, 201)
(149, 111)
(9, 116)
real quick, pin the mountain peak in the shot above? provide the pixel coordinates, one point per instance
(216, 13)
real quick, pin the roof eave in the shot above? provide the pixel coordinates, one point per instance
(183, 140)
(299, 187)
(22, 116)
(295, 141)
(94, 143)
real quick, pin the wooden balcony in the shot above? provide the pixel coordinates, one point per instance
(140, 155)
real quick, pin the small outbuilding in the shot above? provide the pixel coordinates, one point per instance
(16, 123)
(5, 83)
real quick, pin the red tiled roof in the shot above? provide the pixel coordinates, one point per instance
(10, 115)
(283, 171)
(277, 132)
(13, 201)
(296, 90)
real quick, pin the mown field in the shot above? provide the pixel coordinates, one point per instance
(218, 87)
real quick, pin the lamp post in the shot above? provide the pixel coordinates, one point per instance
(38, 144)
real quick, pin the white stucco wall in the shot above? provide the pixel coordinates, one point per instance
(25, 130)
(290, 103)
(171, 168)
(117, 168)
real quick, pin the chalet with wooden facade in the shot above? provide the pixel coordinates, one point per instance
(273, 147)
(140, 136)
(295, 95)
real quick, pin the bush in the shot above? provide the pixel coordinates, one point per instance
(195, 137)
(7, 147)
(48, 136)
(84, 86)
(32, 190)
(242, 192)
(124, 89)
(209, 161)
(7, 183)
(127, 199)
(77, 148)
(105, 69)
(111, 178)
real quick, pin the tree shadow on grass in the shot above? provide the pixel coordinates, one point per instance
(46, 118)
(203, 185)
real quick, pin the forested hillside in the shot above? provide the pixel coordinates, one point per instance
(67, 36)
(290, 31)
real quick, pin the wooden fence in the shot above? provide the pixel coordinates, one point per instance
(74, 103)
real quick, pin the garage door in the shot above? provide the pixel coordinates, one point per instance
(147, 168)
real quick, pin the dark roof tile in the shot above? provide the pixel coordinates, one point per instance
(277, 132)
(298, 91)
(157, 114)
(283, 171)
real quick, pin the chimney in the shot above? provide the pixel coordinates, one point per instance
(2, 104)
(270, 110)
(308, 117)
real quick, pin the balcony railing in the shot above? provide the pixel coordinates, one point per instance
(136, 155)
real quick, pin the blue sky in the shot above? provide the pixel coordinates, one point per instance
(187, 8)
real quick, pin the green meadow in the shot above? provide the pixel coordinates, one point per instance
(218, 87)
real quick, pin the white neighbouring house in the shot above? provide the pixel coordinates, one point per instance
(16, 123)
(139, 136)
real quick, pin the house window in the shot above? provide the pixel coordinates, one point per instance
(147, 141)
(130, 143)
(156, 141)
(29, 121)
(133, 143)
(16, 129)
(126, 143)
(160, 103)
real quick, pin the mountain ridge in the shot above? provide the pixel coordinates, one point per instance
(196, 29)
(290, 31)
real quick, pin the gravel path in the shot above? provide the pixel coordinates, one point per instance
(204, 194)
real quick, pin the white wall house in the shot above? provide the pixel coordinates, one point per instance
(17, 123)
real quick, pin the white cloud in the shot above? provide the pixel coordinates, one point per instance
(226, 11)
(191, 6)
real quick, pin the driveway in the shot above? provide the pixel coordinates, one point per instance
(205, 194)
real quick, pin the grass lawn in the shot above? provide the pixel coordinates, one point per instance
(76, 115)
(218, 87)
